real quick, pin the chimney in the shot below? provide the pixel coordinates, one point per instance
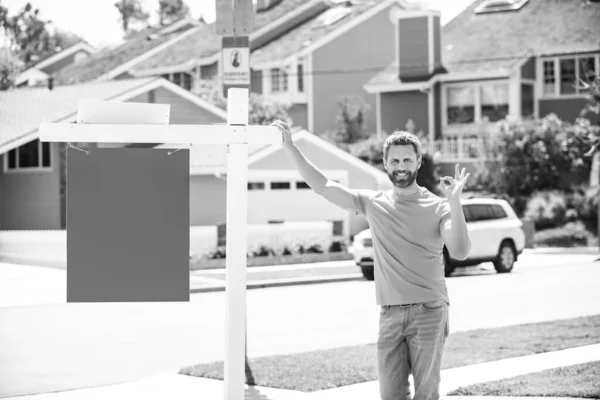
(418, 43)
(50, 83)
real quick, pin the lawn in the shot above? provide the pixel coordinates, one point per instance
(581, 381)
(319, 370)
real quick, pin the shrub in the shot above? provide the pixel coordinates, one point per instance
(529, 156)
(584, 202)
(547, 209)
(570, 235)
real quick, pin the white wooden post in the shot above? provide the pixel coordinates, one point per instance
(236, 135)
(235, 263)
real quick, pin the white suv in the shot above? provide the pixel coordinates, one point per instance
(495, 230)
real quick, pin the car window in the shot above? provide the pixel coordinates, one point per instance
(498, 212)
(483, 212)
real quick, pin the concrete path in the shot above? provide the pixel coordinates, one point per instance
(170, 385)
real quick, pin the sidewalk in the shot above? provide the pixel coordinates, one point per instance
(170, 385)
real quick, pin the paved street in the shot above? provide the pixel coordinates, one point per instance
(48, 346)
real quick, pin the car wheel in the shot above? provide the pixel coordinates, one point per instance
(448, 267)
(506, 257)
(368, 273)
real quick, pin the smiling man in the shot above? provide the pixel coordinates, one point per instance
(409, 225)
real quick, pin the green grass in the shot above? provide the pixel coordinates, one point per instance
(581, 381)
(319, 370)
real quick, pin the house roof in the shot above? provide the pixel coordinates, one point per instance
(212, 159)
(506, 39)
(309, 32)
(206, 43)
(23, 110)
(107, 60)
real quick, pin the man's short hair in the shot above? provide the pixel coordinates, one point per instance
(401, 138)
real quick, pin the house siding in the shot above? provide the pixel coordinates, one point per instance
(566, 109)
(184, 111)
(208, 199)
(375, 38)
(299, 115)
(414, 48)
(528, 69)
(397, 108)
(324, 160)
(31, 200)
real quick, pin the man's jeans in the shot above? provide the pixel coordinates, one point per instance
(411, 340)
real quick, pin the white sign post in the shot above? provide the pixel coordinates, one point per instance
(236, 135)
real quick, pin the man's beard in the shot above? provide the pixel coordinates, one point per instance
(404, 181)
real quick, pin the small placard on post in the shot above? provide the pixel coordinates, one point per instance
(224, 17)
(236, 62)
(243, 17)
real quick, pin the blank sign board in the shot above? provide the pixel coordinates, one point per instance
(127, 225)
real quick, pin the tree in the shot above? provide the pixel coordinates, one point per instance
(10, 65)
(350, 121)
(171, 10)
(25, 32)
(131, 11)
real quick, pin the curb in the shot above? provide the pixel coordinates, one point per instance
(285, 282)
(564, 250)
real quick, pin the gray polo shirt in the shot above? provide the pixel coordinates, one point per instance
(407, 244)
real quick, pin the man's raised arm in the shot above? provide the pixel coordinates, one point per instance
(332, 191)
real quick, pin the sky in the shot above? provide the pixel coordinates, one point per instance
(97, 20)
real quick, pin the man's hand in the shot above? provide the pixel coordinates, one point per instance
(454, 190)
(285, 132)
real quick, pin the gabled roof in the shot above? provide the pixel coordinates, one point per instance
(205, 43)
(314, 30)
(110, 62)
(540, 27)
(212, 159)
(507, 39)
(23, 110)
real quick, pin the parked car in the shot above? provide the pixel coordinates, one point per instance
(496, 235)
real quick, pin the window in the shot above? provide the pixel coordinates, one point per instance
(497, 212)
(32, 155)
(567, 76)
(279, 80)
(300, 72)
(256, 186)
(280, 185)
(564, 75)
(499, 5)
(302, 185)
(182, 79)
(494, 102)
(549, 77)
(483, 212)
(527, 100)
(461, 105)
(476, 102)
(338, 228)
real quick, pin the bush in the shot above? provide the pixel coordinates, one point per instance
(529, 156)
(547, 209)
(572, 234)
(584, 203)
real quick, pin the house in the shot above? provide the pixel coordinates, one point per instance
(497, 58)
(303, 53)
(115, 62)
(41, 70)
(31, 172)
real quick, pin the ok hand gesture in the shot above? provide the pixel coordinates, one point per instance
(454, 190)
